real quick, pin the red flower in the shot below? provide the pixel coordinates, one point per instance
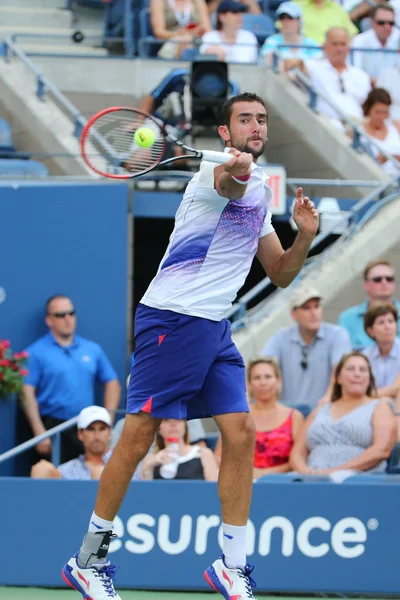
(4, 363)
(24, 372)
(4, 344)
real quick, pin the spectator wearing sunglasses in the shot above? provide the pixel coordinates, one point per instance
(308, 351)
(383, 35)
(380, 286)
(63, 369)
(288, 17)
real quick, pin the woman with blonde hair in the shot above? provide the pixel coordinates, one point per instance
(355, 431)
(277, 425)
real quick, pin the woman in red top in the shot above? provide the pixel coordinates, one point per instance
(277, 426)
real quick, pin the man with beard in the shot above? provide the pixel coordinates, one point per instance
(186, 364)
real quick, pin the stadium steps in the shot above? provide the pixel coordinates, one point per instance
(18, 16)
(338, 277)
(39, 126)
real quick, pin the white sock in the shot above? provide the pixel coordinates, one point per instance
(234, 545)
(98, 524)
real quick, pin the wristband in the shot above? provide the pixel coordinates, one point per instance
(242, 179)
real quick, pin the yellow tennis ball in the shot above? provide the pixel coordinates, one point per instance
(144, 137)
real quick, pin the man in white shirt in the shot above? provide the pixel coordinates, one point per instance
(383, 35)
(346, 86)
(229, 42)
(389, 79)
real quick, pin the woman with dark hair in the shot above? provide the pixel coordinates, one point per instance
(229, 42)
(381, 129)
(277, 425)
(194, 462)
(354, 431)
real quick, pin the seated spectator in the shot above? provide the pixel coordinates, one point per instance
(197, 434)
(383, 35)
(381, 324)
(180, 22)
(289, 17)
(252, 6)
(229, 42)
(389, 80)
(355, 431)
(277, 426)
(319, 16)
(308, 351)
(360, 11)
(94, 431)
(380, 286)
(63, 370)
(384, 132)
(346, 86)
(195, 462)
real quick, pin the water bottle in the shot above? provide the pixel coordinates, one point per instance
(168, 471)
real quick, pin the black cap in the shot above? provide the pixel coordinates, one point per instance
(231, 6)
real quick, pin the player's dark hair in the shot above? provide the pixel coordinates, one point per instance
(50, 300)
(226, 109)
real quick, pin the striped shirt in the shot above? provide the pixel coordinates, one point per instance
(78, 470)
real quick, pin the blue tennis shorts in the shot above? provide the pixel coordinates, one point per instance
(185, 367)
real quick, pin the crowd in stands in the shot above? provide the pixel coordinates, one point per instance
(324, 397)
(349, 51)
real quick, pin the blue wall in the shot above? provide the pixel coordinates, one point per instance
(70, 238)
(317, 536)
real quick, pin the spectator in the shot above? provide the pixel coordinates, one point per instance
(277, 426)
(231, 43)
(196, 431)
(252, 6)
(384, 132)
(381, 324)
(195, 462)
(382, 36)
(380, 286)
(307, 351)
(289, 17)
(346, 86)
(94, 430)
(355, 431)
(320, 16)
(180, 22)
(389, 80)
(63, 368)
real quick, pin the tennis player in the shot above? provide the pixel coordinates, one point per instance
(186, 364)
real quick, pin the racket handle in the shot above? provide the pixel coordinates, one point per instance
(216, 157)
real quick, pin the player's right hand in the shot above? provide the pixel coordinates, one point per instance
(240, 163)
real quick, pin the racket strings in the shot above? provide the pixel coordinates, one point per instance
(110, 146)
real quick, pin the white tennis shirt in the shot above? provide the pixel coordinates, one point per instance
(212, 246)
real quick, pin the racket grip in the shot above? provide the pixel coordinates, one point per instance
(216, 157)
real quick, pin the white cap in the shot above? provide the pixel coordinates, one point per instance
(303, 295)
(89, 415)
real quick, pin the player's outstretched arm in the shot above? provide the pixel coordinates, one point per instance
(230, 180)
(282, 266)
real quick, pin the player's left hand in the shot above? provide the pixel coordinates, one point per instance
(305, 215)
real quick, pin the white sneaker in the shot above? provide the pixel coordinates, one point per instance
(94, 582)
(233, 584)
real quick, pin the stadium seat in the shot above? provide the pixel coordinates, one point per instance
(261, 25)
(305, 409)
(394, 460)
(23, 168)
(211, 440)
(148, 44)
(6, 141)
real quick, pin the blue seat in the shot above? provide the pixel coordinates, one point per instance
(305, 409)
(6, 140)
(148, 44)
(23, 168)
(393, 466)
(211, 440)
(261, 25)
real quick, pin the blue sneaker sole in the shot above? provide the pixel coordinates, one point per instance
(211, 577)
(70, 580)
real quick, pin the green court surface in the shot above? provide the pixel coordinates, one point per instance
(12, 593)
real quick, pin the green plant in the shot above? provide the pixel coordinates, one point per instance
(12, 370)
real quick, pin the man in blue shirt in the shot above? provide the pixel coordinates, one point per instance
(380, 286)
(63, 368)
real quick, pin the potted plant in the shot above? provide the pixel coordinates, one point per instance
(12, 372)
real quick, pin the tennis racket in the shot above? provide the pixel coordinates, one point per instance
(108, 146)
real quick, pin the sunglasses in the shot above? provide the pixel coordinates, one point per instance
(379, 278)
(304, 357)
(391, 23)
(62, 315)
